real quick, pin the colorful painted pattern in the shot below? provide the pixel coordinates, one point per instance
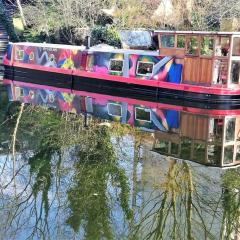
(94, 61)
(100, 62)
(103, 106)
(48, 57)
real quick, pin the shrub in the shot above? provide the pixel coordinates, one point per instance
(108, 35)
(7, 24)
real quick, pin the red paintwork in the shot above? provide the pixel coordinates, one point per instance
(154, 83)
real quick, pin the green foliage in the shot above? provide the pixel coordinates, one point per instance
(31, 35)
(108, 35)
(7, 24)
(52, 130)
(231, 179)
(231, 203)
(207, 46)
(48, 134)
(193, 46)
(40, 166)
(97, 164)
(181, 41)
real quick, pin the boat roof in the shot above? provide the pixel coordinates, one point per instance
(127, 51)
(49, 45)
(196, 32)
(105, 49)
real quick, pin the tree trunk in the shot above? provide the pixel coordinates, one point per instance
(21, 12)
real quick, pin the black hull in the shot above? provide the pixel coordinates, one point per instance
(113, 88)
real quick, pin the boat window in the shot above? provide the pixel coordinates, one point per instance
(31, 56)
(238, 153)
(174, 148)
(116, 65)
(19, 55)
(220, 71)
(144, 68)
(236, 46)
(180, 41)
(185, 148)
(192, 46)
(19, 92)
(115, 109)
(167, 41)
(199, 150)
(235, 72)
(51, 57)
(230, 129)
(222, 46)
(228, 154)
(143, 114)
(207, 46)
(31, 94)
(215, 130)
(214, 154)
(162, 147)
(51, 97)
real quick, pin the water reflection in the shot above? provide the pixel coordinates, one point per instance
(104, 182)
(189, 203)
(96, 173)
(207, 136)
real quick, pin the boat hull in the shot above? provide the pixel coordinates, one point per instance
(123, 87)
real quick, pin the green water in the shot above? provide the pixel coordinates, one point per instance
(68, 181)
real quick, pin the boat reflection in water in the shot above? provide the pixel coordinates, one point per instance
(137, 194)
(207, 136)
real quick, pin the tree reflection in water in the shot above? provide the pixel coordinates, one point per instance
(70, 185)
(95, 171)
(230, 227)
(91, 163)
(183, 207)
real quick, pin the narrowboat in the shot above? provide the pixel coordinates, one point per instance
(198, 67)
(207, 136)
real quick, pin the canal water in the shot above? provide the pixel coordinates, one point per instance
(156, 172)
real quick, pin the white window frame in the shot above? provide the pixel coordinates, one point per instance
(147, 74)
(16, 55)
(146, 110)
(31, 59)
(18, 92)
(51, 57)
(116, 104)
(33, 94)
(235, 59)
(114, 59)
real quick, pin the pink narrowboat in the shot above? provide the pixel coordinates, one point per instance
(197, 67)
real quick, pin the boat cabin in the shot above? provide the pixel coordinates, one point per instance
(211, 140)
(208, 58)
(107, 61)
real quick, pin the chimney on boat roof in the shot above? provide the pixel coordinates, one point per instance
(88, 41)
